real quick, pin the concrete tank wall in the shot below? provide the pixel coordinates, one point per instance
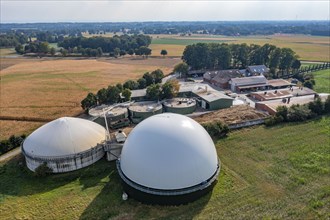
(180, 110)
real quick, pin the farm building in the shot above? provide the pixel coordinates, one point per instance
(248, 83)
(207, 97)
(65, 144)
(221, 78)
(271, 105)
(281, 93)
(142, 110)
(138, 94)
(213, 100)
(168, 159)
(180, 105)
(257, 70)
(278, 84)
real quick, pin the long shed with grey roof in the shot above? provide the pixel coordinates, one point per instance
(248, 83)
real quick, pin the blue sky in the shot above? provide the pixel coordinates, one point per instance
(18, 11)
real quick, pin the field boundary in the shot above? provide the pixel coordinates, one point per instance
(30, 119)
(246, 124)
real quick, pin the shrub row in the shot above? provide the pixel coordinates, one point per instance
(299, 112)
(216, 129)
(11, 143)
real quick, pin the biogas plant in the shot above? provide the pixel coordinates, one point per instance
(166, 159)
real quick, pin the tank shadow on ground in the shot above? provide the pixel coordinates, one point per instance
(109, 204)
(17, 180)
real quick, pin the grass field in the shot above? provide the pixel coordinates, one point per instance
(322, 81)
(267, 173)
(45, 88)
(311, 48)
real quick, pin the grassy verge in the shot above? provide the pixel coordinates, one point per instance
(322, 81)
(267, 173)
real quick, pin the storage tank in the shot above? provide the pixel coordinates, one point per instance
(168, 159)
(180, 105)
(142, 110)
(65, 144)
(113, 113)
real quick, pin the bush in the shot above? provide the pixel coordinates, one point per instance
(299, 113)
(43, 170)
(327, 105)
(273, 120)
(282, 111)
(216, 129)
(316, 106)
(11, 143)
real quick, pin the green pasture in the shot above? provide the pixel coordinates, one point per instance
(281, 172)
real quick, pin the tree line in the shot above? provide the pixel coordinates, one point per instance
(228, 28)
(107, 44)
(151, 81)
(12, 40)
(225, 56)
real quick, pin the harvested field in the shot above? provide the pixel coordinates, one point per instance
(7, 52)
(49, 89)
(9, 128)
(235, 114)
(8, 62)
(134, 60)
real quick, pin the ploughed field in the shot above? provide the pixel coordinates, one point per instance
(281, 172)
(50, 88)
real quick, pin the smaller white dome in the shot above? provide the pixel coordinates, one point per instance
(64, 136)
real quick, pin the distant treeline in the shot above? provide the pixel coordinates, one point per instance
(228, 28)
(225, 56)
(107, 44)
(12, 40)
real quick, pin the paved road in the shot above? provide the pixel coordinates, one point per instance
(10, 154)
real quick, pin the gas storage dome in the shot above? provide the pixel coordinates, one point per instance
(64, 144)
(168, 159)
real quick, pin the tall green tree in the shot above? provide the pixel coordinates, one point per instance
(153, 92)
(127, 94)
(163, 52)
(181, 69)
(102, 96)
(157, 75)
(89, 101)
(170, 89)
(113, 94)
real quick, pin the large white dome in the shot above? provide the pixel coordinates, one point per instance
(167, 152)
(64, 136)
